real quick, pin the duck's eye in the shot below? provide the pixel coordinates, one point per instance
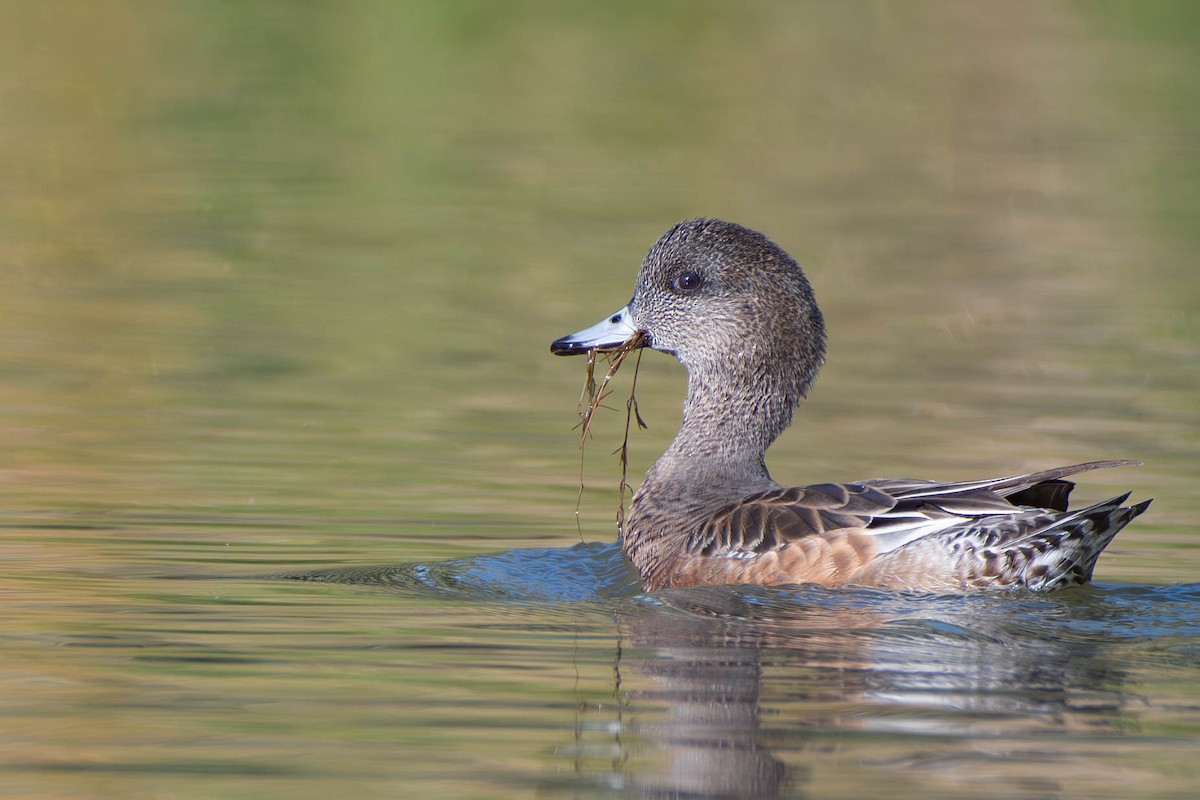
(688, 282)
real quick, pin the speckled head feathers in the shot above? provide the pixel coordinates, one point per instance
(717, 295)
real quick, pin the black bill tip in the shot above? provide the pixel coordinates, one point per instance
(568, 346)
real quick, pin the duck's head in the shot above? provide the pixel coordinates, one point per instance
(724, 300)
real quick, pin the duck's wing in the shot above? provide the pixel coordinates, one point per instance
(877, 515)
(770, 520)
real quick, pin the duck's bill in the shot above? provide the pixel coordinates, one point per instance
(607, 334)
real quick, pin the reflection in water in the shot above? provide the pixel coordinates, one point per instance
(754, 692)
(724, 688)
(704, 663)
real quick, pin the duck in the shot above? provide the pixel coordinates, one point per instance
(740, 315)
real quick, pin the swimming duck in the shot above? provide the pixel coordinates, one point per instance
(739, 314)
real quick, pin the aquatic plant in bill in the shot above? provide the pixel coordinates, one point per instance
(592, 398)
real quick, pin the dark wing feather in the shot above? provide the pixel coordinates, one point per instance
(1053, 494)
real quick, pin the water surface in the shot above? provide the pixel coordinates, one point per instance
(280, 283)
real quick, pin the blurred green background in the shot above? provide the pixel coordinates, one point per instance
(311, 256)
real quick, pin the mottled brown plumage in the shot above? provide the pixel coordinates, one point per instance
(740, 315)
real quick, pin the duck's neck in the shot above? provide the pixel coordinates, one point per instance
(730, 418)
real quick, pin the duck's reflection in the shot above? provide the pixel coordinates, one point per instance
(749, 693)
(706, 675)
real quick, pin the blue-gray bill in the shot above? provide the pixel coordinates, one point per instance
(611, 332)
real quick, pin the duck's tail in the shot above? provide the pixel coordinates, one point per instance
(1064, 551)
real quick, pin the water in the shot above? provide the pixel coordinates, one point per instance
(280, 283)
